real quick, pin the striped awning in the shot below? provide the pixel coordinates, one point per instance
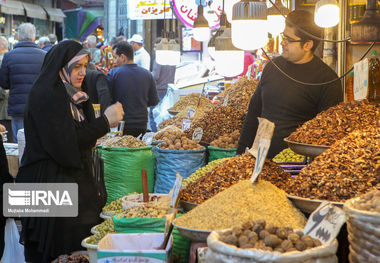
(34, 11)
(12, 7)
(55, 14)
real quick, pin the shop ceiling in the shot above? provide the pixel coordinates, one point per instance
(31, 10)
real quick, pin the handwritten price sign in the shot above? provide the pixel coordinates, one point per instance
(150, 9)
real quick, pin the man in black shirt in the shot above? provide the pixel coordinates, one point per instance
(283, 101)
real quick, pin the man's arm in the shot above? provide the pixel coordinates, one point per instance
(4, 71)
(152, 95)
(104, 94)
(248, 133)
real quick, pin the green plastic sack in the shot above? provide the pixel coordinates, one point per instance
(122, 170)
(181, 245)
(219, 153)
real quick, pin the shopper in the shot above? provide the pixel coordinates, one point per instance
(60, 131)
(281, 100)
(141, 56)
(19, 69)
(134, 87)
(5, 119)
(44, 43)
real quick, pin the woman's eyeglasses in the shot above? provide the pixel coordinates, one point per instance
(289, 39)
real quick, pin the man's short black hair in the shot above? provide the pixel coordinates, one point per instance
(125, 48)
(304, 20)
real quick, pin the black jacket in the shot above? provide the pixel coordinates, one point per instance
(97, 89)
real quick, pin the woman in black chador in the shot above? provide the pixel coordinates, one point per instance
(60, 131)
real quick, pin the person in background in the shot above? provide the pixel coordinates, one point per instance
(283, 101)
(141, 56)
(60, 132)
(91, 42)
(44, 43)
(134, 87)
(5, 119)
(52, 39)
(98, 90)
(163, 75)
(19, 69)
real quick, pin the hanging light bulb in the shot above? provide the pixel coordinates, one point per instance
(249, 25)
(326, 13)
(168, 52)
(228, 9)
(229, 59)
(276, 19)
(201, 29)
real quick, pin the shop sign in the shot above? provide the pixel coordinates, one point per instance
(150, 9)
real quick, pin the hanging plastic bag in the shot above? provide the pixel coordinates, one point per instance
(13, 250)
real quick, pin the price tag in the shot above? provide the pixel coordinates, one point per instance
(261, 145)
(361, 79)
(190, 113)
(175, 190)
(197, 134)
(325, 222)
(148, 138)
(225, 102)
(186, 124)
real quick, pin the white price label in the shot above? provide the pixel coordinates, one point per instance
(361, 79)
(225, 102)
(197, 134)
(175, 190)
(260, 159)
(190, 113)
(148, 138)
(186, 124)
(325, 222)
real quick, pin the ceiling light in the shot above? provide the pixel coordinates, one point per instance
(326, 13)
(168, 52)
(276, 19)
(201, 29)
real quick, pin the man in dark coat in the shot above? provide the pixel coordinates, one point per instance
(97, 88)
(19, 69)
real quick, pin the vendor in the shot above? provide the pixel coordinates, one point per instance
(283, 101)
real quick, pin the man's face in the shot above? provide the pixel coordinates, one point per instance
(292, 49)
(117, 60)
(135, 46)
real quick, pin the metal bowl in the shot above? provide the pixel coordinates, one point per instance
(309, 205)
(306, 149)
(93, 229)
(187, 206)
(193, 234)
(173, 112)
(106, 215)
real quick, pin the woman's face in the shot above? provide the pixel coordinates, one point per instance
(78, 73)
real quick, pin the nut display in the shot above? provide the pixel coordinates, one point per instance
(240, 93)
(106, 227)
(127, 141)
(337, 122)
(194, 101)
(229, 173)
(176, 140)
(202, 171)
(351, 167)
(258, 235)
(243, 202)
(369, 202)
(175, 121)
(72, 259)
(152, 209)
(219, 121)
(227, 141)
(114, 206)
(288, 155)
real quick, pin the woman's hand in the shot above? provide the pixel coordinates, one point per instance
(114, 114)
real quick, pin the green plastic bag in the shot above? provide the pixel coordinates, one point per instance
(181, 245)
(219, 153)
(122, 170)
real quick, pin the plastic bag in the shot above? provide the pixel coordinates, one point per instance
(13, 250)
(219, 153)
(160, 112)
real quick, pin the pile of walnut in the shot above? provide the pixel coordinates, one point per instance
(337, 122)
(220, 121)
(351, 167)
(240, 93)
(176, 140)
(369, 202)
(227, 141)
(229, 173)
(192, 100)
(271, 238)
(175, 121)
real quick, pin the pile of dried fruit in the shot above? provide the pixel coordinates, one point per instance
(337, 122)
(192, 101)
(127, 141)
(227, 141)
(240, 93)
(176, 140)
(229, 173)
(202, 171)
(220, 121)
(243, 202)
(259, 235)
(351, 167)
(288, 155)
(152, 209)
(114, 206)
(72, 259)
(106, 227)
(369, 202)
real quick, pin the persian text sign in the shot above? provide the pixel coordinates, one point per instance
(150, 9)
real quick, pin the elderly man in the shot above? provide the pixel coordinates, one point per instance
(52, 39)
(141, 56)
(19, 68)
(91, 41)
(44, 43)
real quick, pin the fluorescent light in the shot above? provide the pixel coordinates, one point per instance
(326, 13)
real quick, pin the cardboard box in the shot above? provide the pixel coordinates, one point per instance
(134, 247)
